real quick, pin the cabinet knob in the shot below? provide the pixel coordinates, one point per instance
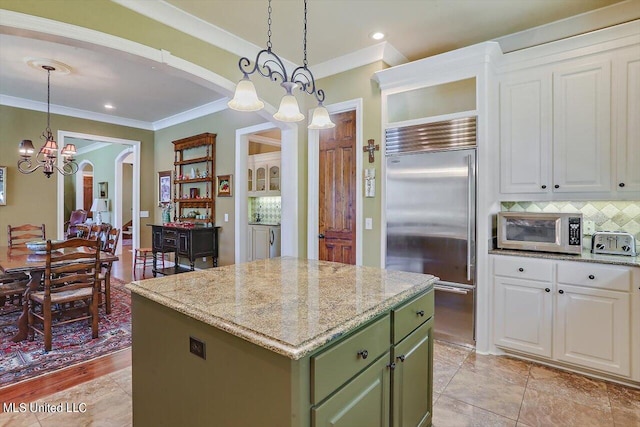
(420, 313)
(547, 290)
(591, 276)
(392, 365)
(521, 270)
(363, 353)
(544, 186)
(401, 358)
(621, 184)
(556, 186)
(561, 291)
(320, 236)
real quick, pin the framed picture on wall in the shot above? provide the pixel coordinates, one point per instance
(164, 187)
(223, 183)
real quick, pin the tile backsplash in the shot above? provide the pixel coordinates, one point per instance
(269, 208)
(607, 215)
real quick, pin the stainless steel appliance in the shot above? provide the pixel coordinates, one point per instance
(274, 242)
(613, 243)
(431, 216)
(540, 231)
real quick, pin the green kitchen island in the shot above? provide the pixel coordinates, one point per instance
(283, 342)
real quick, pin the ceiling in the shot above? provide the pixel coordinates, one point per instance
(145, 93)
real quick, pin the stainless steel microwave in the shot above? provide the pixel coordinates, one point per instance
(546, 232)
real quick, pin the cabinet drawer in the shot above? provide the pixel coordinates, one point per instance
(363, 402)
(595, 276)
(523, 268)
(411, 315)
(333, 367)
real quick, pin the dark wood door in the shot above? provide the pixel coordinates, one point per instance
(87, 188)
(337, 216)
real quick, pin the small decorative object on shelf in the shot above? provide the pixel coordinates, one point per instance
(166, 212)
(193, 192)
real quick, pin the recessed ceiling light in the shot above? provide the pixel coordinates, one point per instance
(109, 106)
(377, 35)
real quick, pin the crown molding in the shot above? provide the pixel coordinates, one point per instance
(379, 52)
(182, 21)
(586, 22)
(27, 104)
(265, 140)
(194, 113)
(174, 17)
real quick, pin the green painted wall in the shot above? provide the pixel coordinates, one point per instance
(224, 125)
(110, 18)
(32, 198)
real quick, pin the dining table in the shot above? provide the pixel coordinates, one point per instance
(23, 260)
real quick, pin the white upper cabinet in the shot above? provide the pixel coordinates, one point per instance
(525, 133)
(582, 128)
(568, 122)
(264, 174)
(627, 113)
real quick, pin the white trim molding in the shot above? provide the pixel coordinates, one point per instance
(288, 190)
(314, 180)
(135, 147)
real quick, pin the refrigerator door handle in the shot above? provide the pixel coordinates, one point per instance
(470, 181)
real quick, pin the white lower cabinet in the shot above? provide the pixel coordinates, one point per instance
(592, 328)
(263, 241)
(582, 314)
(523, 313)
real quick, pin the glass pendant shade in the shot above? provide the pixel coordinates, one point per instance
(26, 148)
(245, 98)
(321, 119)
(289, 110)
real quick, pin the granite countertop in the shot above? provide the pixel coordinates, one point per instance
(585, 256)
(270, 224)
(288, 305)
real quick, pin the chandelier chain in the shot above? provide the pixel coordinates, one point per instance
(304, 38)
(47, 132)
(269, 27)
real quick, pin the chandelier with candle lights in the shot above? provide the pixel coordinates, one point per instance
(48, 155)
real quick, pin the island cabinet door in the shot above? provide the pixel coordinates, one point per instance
(412, 391)
(364, 401)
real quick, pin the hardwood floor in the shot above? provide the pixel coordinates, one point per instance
(36, 388)
(44, 385)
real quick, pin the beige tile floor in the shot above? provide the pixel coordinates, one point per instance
(470, 390)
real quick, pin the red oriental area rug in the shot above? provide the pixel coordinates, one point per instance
(72, 343)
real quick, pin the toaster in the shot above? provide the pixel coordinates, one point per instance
(613, 243)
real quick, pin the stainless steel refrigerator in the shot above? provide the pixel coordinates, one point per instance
(431, 220)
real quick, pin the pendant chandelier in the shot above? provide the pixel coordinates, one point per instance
(269, 65)
(47, 156)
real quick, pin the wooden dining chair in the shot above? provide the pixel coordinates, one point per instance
(77, 217)
(12, 287)
(21, 234)
(71, 288)
(111, 244)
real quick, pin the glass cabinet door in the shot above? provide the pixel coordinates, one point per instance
(274, 178)
(261, 178)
